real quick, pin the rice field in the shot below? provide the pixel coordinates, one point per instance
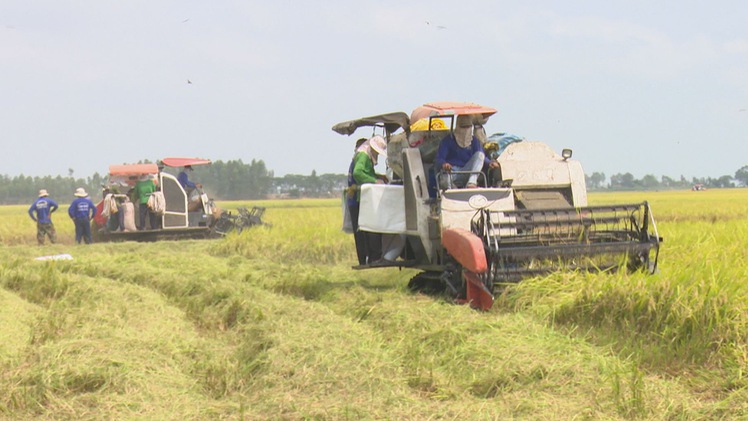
(273, 324)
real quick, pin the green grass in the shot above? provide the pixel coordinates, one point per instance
(273, 324)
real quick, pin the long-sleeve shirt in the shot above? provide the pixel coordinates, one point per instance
(449, 151)
(43, 207)
(184, 180)
(363, 171)
(82, 208)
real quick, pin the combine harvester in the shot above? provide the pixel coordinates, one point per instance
(532, 220)
(185, 214)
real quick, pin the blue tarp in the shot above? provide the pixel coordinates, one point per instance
(503, 140)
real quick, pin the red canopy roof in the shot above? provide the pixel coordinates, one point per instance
(181, 162)
(443, 108)
(133, 169)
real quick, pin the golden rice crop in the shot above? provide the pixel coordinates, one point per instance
(693, 311)
(309, 233)
(273, 323)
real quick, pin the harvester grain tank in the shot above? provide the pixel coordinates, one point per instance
(532, 220)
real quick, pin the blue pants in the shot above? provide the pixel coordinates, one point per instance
(83, 230)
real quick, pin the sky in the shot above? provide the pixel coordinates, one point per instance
(646, 87)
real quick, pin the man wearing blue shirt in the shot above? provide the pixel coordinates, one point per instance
(81, 211)
(43, 208)
(184, 179)
(461, 151)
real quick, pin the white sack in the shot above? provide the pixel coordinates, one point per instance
(382, 209)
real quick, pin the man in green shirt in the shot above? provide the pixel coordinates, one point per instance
(143, 189)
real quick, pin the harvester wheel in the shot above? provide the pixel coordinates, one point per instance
(427, 283)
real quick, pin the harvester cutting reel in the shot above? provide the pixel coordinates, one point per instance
(229, 222)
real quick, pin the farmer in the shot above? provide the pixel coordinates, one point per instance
(362, 173)
(184, 179)
(192, 189)
(81, 211)
(43, 208)
(461, 151)
(143, 190)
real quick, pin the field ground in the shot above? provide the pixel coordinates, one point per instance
(273, 324)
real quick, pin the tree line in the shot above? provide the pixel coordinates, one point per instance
(237, 180)
(221, 180)
(626, 181)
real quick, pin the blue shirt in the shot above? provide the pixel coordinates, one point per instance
(81, 208)
(351, 195)
(449, 151)
(184, 180)
(43, 207)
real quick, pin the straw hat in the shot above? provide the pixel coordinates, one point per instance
(43, 193)
(379, 144)
(80, 192)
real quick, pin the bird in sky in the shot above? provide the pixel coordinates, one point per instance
(436, 26)
(189, 82)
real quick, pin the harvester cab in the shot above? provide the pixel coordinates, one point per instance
(199, 207)
(529, 219)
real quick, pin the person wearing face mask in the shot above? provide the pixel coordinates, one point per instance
(362, 172)
(461, 151)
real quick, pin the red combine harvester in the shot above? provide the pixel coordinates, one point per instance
(532, 220)
(186, 213)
